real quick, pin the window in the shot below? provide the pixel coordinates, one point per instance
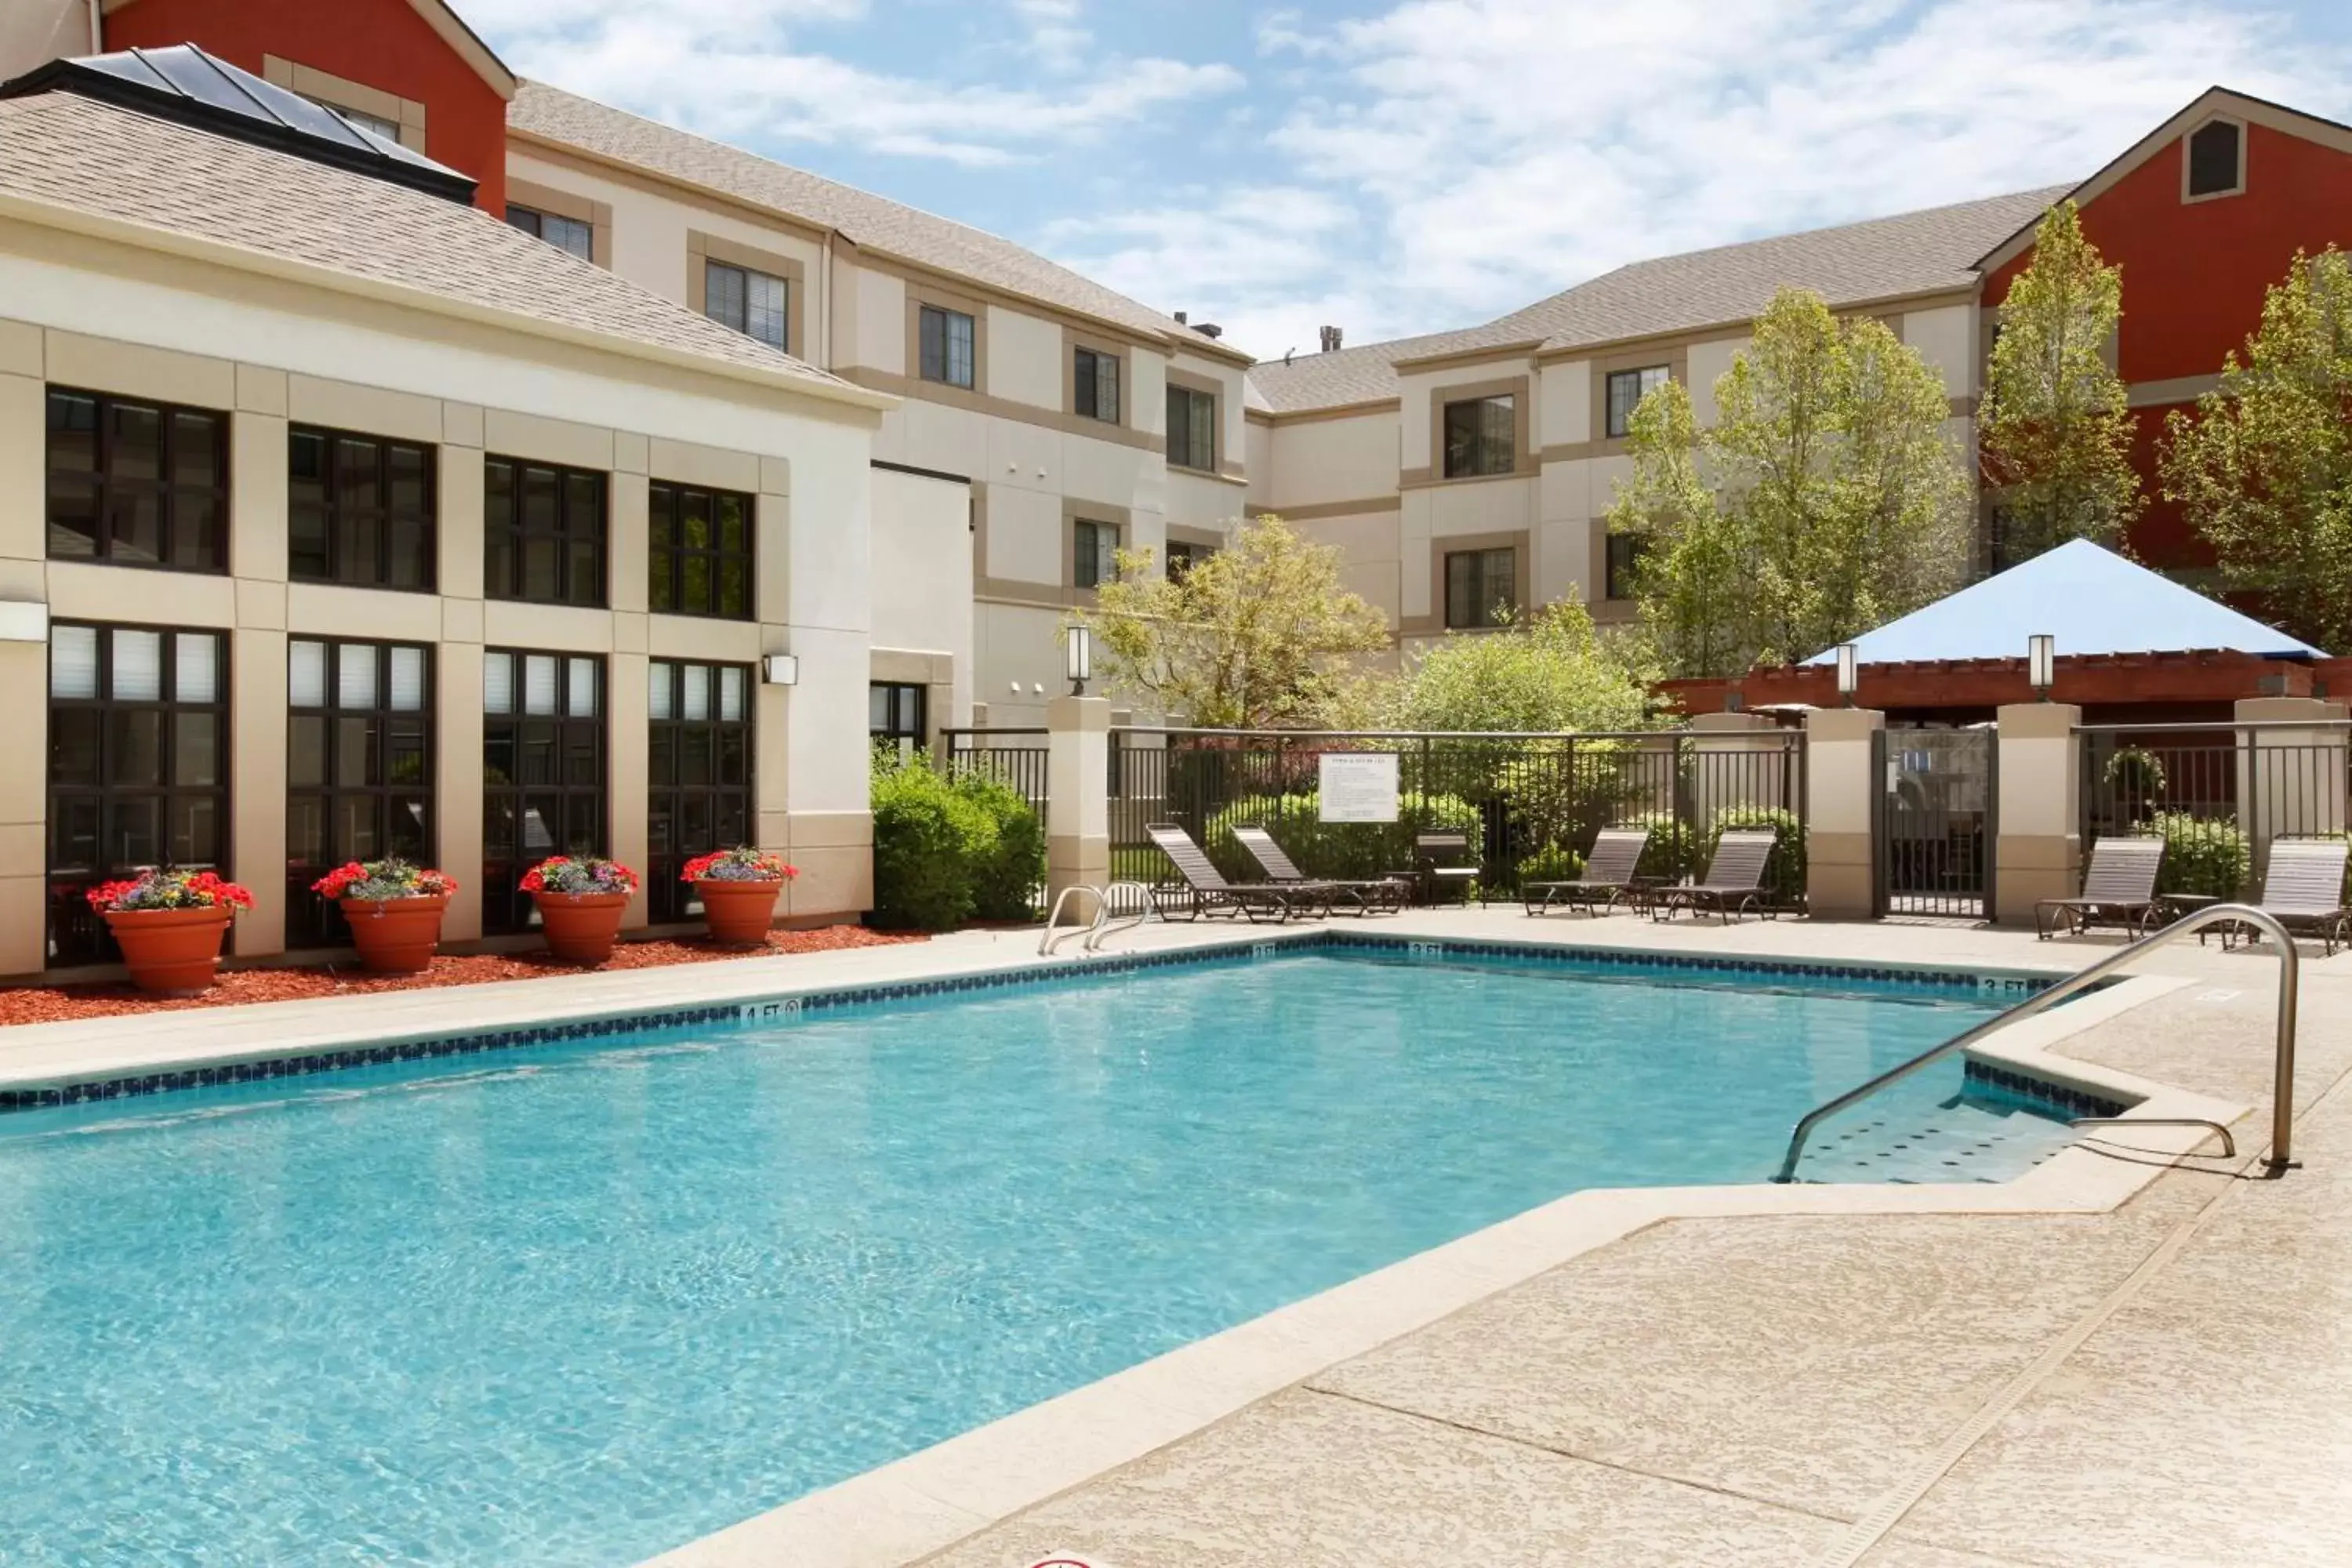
(1481, 588)
(1183, 557)
(701, 553)
(542, 532)
(375, 124)
(1192, 429)
(542, 771)
(1096, 383)
(1094, 553)
(701, 772)
(2215, 150)
(137, 484)
(359, 510)
(1621, 562)
(1627, 390)
(947, 345)
(1481, 436)
(358, 769)
(751, 302)
(895, 711)
(138, 765)
(564, 232)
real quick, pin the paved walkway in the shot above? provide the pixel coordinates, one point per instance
(2169, 1383)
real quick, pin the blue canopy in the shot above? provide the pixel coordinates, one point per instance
(2092, 600)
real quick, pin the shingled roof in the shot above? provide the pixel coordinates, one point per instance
(1883, 258)
(875, 222)
(75, 153)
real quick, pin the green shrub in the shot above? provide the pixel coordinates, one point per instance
(2205, 854)
(1552, 863)
(928, 835)
(1784, 877)
(1352, 850)
(1672, 852)
(1008, 868)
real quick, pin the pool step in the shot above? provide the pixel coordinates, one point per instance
(1964, 1138)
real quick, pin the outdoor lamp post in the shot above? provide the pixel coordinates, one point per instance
(1078, 658)
(2041, 664)
(1849, 671)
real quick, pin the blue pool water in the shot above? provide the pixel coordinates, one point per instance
(579, 1304)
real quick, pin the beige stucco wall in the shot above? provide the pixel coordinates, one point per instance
(33, 32)
(922, 589)
(103, 316)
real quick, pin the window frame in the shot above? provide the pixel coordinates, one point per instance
(668, 565)
(727, 804)
(536, 228)
(75, 933)
(2189, 194)
(713, 268)
(1089, 382)
(1621, 557)
(914, 691)
(107, 490)
(1104, 563)
(1481, 615)
(945, 315)
(333, 506)
(570, 534)
(312, 921)
(1194, 554)
(1478, 458)
(506, 909)
(1200, 421)
(1615, 425)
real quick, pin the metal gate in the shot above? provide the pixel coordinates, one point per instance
(1934, 839)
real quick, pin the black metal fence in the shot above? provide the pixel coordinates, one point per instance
(1014, 757)
(1528, 805)
(2217, 795)
(1938, 792)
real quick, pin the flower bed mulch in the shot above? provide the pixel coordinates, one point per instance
(55, 1003)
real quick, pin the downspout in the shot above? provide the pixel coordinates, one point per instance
(829, 305)
(96, 29)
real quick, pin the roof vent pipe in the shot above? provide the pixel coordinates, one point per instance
(1331, 340)
(1180, 318)
(1209, 329)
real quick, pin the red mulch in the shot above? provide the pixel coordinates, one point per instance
(55, 1003)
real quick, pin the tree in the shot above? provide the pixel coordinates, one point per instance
(2265, 468)
(1255, 637)
(1556, 673)
(1827, 497)
(2054, 431)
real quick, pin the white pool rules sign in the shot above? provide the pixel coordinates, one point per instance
(1359, 786)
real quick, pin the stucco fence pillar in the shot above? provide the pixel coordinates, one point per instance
(1077, 792)
(2290, 771)
(2038, 852)
(1842, 790)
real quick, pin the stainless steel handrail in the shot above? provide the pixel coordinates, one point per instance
(1047, 941)
(2283, 1084)
(1107, 925)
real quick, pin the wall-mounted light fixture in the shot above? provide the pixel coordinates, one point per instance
(1078, 658)
(1849, 667)
(2041, 663)
(781, 669)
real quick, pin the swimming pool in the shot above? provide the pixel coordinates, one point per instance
(576, 1304)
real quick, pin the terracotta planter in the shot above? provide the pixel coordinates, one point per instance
(397, 936)
(738, 913)
(171, 951)
(580, 926)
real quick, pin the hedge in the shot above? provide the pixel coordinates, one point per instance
(1349, 850)
(2206, 855)
(947, 850)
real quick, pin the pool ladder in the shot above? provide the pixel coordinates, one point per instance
(2282, 1083)
(1105, 925)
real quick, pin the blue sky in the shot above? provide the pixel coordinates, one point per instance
(1418, 165)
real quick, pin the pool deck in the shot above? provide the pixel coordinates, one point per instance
(2118, 1359)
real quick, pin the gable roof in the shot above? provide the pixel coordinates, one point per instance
(549, 114)
(1925, 252)
(2090, 600)
(78, 164)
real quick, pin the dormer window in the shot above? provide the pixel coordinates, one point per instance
(2216, 155)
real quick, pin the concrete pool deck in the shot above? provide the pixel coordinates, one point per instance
(2108, 1361)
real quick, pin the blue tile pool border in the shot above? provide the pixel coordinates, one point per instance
(2008, 986)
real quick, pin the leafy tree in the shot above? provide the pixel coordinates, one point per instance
(1256, 636)
(1826, 498)
(2055, 432)
(2264, 469)
(1556, 673)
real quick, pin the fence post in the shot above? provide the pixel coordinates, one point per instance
(2039, 852)
(1842, 790)
(2291, 782)
(1077, 794)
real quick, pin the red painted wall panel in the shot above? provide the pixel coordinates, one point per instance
(2194, 276)
(384, 44)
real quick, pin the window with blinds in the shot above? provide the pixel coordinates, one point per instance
(543, 771)
(1481, 436)
(946, 351)
(753, 303)
(139, 747)
(1095, 386)
(1482, 588)
(358, 769)
(699, 770)
(1192, 429)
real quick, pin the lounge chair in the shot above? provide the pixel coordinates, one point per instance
(2302, 889)
(1206, 891)
(2119, 890)
(1734, 878)
(1384, 895)
(1608, 875)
